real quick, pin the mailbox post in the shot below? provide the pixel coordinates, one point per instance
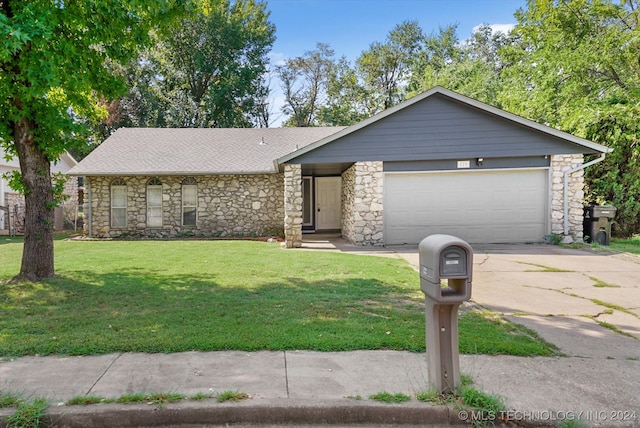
(444, 258)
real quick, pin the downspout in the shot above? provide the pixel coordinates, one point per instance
(566, 189)
(87, 185)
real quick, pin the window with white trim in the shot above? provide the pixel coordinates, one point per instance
(189, 201)
(154, 203)
(118, 203)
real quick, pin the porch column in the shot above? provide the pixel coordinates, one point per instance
(293, 206)
(362, 188)
(560, 164)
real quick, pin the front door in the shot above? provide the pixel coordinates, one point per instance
(328, 202)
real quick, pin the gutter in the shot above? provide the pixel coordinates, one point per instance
(87, 186)
(566, 189)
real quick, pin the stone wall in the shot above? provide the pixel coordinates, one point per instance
(14, 221)
(559, 165)
(362, 209)
(64, 214)
(228, 206)
(293, 206)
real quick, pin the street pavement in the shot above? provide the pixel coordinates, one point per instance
(586, 303)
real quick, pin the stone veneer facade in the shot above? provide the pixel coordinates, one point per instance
(228, 206)
(559, 165)
(293, 206)
(250, 205)
(362, 209)
(64, 216)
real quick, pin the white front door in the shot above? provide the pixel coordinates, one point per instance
(328, 202)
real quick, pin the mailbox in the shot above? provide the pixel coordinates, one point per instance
(446, 264)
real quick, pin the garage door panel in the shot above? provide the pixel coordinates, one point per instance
(478, 206)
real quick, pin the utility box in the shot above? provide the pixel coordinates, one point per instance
(446, 258)
(596, 225)
(446, 265)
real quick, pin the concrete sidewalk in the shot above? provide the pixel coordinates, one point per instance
(557, 292)
(308, 388)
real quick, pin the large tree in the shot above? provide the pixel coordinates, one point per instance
(472, 67)
(53, 56)
(207, 70)
(575, 66)
(385, 67)
(304, 79)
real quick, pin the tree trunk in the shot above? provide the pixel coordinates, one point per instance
(37, 254)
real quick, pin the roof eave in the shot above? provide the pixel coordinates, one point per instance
(165, 173)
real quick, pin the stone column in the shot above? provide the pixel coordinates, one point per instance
(293, 206)
(575, 193)
(362, 222)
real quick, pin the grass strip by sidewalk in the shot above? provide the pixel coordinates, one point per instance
(173, 296)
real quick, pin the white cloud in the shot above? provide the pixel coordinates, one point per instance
(498, 28)
(277, 58)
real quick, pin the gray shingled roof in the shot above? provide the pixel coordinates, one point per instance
(187, 151)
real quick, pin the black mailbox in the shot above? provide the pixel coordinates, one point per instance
(446, 258)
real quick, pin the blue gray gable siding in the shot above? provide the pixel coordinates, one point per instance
(431, 132)
(437, 128)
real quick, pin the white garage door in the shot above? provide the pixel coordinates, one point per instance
(476, 206)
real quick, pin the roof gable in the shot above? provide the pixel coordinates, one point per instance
(200, 151)
(64, 164)
(441, 124)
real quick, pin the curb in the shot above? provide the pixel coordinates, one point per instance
(271, 412)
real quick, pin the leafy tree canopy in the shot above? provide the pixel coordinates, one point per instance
(206, 70)
(53, 56)
(574, 66)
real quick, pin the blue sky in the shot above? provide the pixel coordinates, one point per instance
(349, 26)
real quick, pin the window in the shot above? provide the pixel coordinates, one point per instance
(307, 201)
(154, 203)
(189, 201)
(119, 203)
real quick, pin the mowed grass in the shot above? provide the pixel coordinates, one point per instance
(172, 296)
(629, 245)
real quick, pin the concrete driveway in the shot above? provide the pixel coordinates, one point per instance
(586, 303)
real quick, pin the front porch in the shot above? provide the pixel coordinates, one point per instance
(342, 197)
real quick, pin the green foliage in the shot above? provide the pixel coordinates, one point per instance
(45, 44)
(14, 178)
(434, 397)
(573, 65)
(84, 400)
(389, 398)
(9, 399)
(135, 398)
(205, 70)
(200, 396)
(53, 76)
(128, 296)
(553, 238)
(303, 83)
(630, 245)
(385, 66)
(30, 414)
(490, 403)
(616, 180)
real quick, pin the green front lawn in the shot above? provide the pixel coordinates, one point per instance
(171, 296)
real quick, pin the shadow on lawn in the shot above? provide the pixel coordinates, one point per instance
(130, 311)
(134, 310)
